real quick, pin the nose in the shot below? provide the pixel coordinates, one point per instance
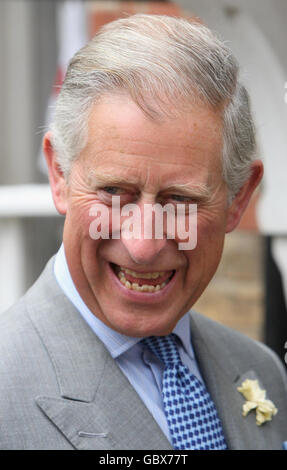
(143, 243)
(143, 251)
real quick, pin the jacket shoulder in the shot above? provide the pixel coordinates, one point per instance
(17, 331)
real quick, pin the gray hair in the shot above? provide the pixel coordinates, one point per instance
(159, 61)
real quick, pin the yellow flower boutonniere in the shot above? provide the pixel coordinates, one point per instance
(256, 399)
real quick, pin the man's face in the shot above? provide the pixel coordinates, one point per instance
(145, 161)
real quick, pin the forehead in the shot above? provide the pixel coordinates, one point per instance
(121, 138)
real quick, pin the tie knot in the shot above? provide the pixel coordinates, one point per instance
(164, 347)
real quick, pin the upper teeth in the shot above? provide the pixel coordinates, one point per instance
(152, 275)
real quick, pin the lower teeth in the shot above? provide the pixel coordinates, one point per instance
(144, 288)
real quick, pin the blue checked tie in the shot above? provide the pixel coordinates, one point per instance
(191, 414)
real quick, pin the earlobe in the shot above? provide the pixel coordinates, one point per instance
(240, 202)
(56, 177)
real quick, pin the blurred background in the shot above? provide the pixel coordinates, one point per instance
(37, 39)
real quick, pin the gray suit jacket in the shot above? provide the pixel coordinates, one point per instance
(60, 388)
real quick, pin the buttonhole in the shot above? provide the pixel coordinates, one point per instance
(92, 434)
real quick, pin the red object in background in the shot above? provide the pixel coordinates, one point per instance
(100, 14)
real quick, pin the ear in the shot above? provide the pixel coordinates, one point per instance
(240, 202)
(58, 184)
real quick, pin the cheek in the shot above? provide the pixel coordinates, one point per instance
(101, 223)
(210, 241)
(211, 226)
(89, 218)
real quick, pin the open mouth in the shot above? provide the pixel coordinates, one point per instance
(148, 282)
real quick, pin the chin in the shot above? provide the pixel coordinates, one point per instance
(143, 326)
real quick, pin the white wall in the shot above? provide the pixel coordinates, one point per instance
(28, 64)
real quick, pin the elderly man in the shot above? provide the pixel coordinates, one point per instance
(103, 351)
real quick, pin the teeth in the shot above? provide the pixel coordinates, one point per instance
(153, 275)
(137, 287)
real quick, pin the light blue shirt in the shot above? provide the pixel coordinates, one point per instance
(142, 369)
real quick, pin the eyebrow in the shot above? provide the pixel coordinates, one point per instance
(198, 190)
(109, 179)
(201, 191)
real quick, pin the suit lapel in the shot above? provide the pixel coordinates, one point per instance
(96, 407)
(222, 377)
(117, 418)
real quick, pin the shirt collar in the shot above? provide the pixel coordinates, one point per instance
(115, 342)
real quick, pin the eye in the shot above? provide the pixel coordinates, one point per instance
(178, 198)
(182, 199)
(126, 195)
(181, 202)
(113, 190)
